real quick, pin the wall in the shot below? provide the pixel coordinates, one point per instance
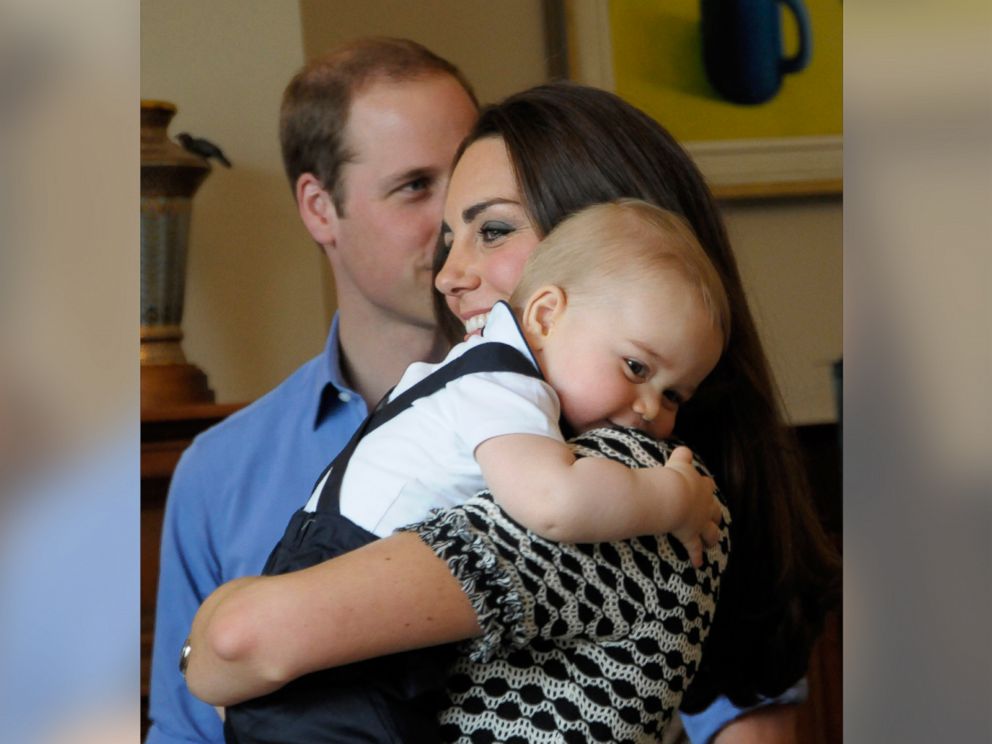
(258, 293)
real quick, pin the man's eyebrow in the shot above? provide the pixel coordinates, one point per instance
(472, 212)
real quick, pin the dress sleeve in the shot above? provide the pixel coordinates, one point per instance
(524, 588)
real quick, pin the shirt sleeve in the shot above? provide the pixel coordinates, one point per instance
(189, 571)
(524, 588)
(491, 404)
(702, 727)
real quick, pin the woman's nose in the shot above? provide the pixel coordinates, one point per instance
(456, 276)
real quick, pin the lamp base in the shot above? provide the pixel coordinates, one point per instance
(164, 385)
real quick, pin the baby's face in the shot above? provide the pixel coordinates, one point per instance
(630, 354)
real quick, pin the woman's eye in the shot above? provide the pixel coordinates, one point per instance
(490, 232)
(638, 369)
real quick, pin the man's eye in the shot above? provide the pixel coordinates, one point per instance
(638, 369)
(418, 184)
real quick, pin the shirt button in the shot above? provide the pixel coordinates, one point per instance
(344, 396)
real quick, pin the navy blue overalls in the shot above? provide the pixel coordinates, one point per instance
(390, 699)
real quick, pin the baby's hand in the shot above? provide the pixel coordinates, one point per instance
(700, 523)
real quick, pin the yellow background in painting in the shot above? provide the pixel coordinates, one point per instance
(658, 66)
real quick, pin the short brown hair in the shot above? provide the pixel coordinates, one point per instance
(317, 102)
(627, 238)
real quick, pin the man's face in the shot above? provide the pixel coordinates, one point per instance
(403, 136)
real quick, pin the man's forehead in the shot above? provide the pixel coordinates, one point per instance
(394, 125)
(398, 96)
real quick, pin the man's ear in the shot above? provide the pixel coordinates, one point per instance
(544, 308)
(317, 210)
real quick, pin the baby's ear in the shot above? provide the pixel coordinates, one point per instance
(544, 308)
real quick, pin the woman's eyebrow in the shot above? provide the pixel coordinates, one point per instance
(470, 213)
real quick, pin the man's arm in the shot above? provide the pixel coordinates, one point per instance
(254, 635)
(543, 486)
(187, 574)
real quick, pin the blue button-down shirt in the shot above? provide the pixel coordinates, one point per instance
(232, 494)
(701, 728)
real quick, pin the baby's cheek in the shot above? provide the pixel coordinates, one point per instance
(662, 426)
(575, 413)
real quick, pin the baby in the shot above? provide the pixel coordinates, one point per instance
(618, 318)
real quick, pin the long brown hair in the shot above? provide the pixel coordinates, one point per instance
(572, 146)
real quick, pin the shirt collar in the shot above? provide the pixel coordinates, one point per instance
(329, 386)
(503, 325)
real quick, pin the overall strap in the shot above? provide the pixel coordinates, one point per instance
(494, 356)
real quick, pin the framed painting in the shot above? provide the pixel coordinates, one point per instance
(760, 112)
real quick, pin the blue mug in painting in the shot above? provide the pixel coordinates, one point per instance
(742, 47)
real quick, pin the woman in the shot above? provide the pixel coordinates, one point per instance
(531, 161)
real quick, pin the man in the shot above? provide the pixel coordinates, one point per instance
(368, 133)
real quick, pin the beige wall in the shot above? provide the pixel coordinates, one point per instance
(258, 298)
(498, 45)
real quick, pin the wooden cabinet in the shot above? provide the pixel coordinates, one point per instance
(165, 433)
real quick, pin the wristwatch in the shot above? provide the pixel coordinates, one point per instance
(184, 657)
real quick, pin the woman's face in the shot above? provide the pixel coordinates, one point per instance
(487, 231)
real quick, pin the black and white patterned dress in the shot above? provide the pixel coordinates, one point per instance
(581, 643)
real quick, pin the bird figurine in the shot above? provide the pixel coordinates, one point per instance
(204, 148)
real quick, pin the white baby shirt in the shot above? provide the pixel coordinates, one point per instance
(424, 457)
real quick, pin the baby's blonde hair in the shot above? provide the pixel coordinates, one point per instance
(627, 239)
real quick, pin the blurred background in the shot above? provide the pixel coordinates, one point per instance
(906, 250)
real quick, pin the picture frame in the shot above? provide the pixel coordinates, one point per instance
(746, 167)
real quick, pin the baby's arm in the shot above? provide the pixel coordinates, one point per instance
(542, 485)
